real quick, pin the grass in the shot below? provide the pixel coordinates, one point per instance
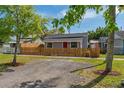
(107, 81)
(115, 56)
(7, 58)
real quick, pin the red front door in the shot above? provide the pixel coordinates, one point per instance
(64, 44)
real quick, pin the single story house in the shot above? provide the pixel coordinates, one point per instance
(9, 47)
(73, 40)
(118, 42)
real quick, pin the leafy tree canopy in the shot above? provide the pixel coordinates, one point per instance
(99, 32)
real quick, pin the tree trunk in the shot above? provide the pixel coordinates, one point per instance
(110, 48)
(110, 45)
(15, 52)
(17, 38)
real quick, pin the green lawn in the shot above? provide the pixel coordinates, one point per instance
(7, 58)
(115, 56)
(108, 81)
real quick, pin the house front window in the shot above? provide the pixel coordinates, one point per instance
(73, 44)
(49, 45)
(12, 45)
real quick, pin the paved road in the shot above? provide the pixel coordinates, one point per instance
(50, 71)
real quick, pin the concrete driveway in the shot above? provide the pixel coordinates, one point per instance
(52, 73)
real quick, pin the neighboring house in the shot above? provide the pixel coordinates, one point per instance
(9, 47)
(118, 42)
(75, 40)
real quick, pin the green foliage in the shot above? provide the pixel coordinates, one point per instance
(57, 27)
(55, 22)
(19, 21)
(38, 27)
(44, 24)
(99, 32)
(111, 25)
(61, 30)
(75, 14)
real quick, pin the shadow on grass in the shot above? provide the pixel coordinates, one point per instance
(4, 67)
(88, 67)
(91, 83)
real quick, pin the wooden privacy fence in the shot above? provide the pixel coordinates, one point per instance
(80, 52)
(31, 49)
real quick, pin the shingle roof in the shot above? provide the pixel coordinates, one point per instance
(73, 35)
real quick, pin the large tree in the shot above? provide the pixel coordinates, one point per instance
(75, 15)
(110, 16)
(17, 21)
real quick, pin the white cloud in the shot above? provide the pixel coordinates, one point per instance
(62, 13)
(42, 14)
(91, 14)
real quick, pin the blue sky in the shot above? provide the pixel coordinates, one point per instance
(90, 22)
